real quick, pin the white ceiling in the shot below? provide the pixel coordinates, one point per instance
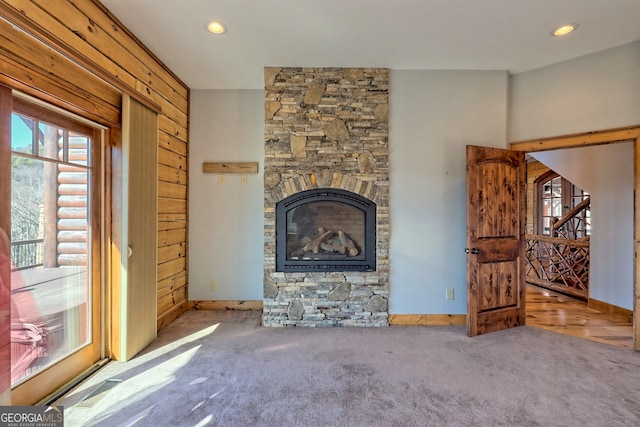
(508, 35)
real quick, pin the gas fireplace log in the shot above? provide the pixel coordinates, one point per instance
(348, 243)
(333, 247)
(300, 251)
(314, 245)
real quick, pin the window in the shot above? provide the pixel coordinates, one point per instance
(557, 197)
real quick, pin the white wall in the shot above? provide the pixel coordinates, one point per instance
(226, 219)
(606, 172)
(593, 92)
(433, 116)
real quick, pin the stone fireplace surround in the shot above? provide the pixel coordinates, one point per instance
(326, 128)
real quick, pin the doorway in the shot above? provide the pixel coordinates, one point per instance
(630, 134)
(558, 232)
(558, 262)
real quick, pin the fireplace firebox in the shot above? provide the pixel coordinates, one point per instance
(325, 229)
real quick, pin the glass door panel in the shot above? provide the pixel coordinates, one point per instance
(54, 242)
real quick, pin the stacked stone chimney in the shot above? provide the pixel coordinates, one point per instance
(326, 128)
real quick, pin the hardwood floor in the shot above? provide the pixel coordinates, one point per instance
(559, 313)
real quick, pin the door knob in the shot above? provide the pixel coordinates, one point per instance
(474, 251)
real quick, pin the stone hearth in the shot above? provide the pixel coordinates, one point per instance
(327, 128)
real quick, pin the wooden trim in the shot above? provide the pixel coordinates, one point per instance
(114, 283)
(243, 305)
(611, 309)
(577, 140)
(230, 167)
(546, 176)
(427, 319)
(5, 250)
(44, 113)
(636, 245)
(6, 100)
(51, 40)
(169, 316)
(107, 212)
(539, 196)
(56, 92)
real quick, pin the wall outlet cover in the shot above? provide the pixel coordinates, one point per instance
(449, 293)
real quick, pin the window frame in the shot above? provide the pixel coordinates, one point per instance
(567, 199)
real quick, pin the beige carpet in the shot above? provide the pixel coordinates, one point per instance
(223, 369)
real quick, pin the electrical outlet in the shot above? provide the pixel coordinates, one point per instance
(213, 285)
(221, 179)
(244, 179)
(449, 293)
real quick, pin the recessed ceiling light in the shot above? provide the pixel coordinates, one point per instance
(564, 30)
(216, 27)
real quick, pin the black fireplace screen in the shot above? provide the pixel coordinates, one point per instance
(325, 230)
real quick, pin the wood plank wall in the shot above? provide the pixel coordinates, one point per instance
(87, 32)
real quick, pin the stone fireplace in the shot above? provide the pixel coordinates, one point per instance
(326, 197)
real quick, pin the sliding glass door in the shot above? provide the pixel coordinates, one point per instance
(55, 235)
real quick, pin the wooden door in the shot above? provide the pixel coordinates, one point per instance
(495, 239)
